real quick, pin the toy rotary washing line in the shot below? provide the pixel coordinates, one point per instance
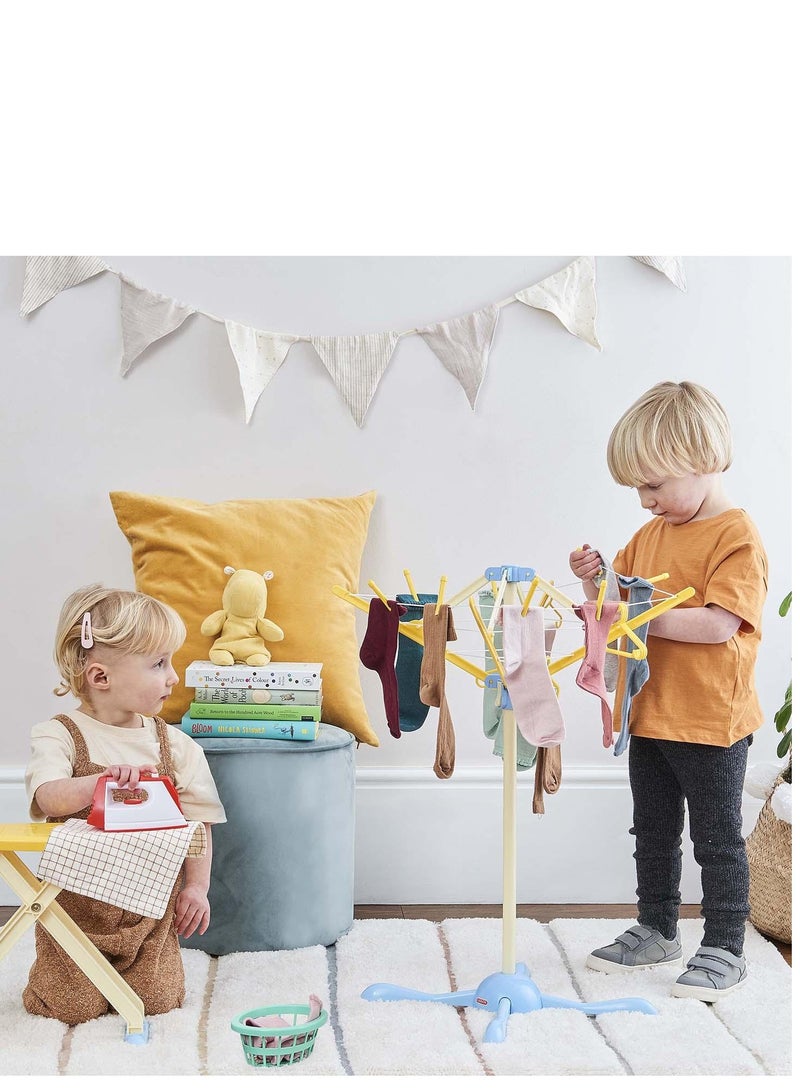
(512, 989)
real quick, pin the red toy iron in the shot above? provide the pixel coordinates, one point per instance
(152, 805)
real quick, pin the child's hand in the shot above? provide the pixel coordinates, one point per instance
(128, 776)
(585, 563)
(192, 911)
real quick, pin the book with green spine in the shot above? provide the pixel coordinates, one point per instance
(202, 710)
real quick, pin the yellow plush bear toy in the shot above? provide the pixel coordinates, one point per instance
(241, 623)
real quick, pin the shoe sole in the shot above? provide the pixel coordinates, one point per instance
(698, 992)
(606, 966)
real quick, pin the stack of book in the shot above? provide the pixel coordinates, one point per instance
(278, 701)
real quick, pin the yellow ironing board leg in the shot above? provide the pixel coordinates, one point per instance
(39, 904)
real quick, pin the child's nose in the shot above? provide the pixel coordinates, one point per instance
(173, 677)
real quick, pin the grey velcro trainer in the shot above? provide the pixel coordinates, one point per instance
(636, 948)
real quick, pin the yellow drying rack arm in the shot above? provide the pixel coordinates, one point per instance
(413, 632)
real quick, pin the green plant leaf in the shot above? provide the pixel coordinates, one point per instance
(783, 609)
(785, 745)
(783, 716)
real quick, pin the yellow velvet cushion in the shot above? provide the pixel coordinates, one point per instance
(180, 549)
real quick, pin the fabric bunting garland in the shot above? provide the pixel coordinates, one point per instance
(463, 346)
(46, 277)
(146, 317)
(355, 363)
(570, 296)
(672, 268)
(258, 357)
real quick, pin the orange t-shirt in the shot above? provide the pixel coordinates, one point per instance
(703, 693)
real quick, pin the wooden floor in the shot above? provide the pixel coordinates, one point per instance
(539, 912)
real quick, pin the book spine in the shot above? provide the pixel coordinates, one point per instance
(218, 695)
(256, 677)
(204, 711)
(250, 729)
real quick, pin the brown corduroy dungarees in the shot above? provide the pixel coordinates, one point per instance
(144, 951)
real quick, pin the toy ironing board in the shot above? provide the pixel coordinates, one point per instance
(512, 989)
(152, 805)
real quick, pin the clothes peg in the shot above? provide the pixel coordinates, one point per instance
(639, 647)
(374, 587)
(440, 595)
(410, 583)
(487, 639)
(527, 601)
(658, 579)
(601, 594)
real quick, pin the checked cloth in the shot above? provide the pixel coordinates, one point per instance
(134, 871)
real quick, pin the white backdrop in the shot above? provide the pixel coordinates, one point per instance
(521, 480)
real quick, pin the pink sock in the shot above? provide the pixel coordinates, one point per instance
(536, 707)
(378, 652)
(590, 675)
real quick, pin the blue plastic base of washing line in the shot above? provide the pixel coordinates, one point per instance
(506, 994)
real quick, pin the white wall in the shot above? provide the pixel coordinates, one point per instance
(521, 480)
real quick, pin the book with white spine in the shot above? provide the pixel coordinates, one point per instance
(202, 673)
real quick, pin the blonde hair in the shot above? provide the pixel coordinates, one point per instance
(127, 621)
(674, 429)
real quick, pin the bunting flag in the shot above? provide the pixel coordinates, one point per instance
(463, 346)
(146, 317)
(356, 365)
(258, 356)
(570, 296)
(672, 268)
(46, 277)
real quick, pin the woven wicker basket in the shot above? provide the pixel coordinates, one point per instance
(769, 852)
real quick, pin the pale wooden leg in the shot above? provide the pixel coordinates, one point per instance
(38, 903)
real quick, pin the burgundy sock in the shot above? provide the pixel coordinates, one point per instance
(378, 651)
(590, 675)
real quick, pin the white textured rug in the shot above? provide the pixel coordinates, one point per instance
(747, 1034)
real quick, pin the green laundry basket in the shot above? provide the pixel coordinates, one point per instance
(278, 1046)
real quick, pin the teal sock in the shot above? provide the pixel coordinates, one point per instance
(407, 668)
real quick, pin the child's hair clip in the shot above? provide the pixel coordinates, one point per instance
(87, 640)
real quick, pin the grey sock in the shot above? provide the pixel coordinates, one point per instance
(637, 671)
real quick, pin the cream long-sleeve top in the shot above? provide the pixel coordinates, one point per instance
(53, 758)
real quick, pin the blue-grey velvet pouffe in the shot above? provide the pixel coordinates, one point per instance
(282, 865)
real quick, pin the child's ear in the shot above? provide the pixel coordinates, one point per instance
(96, 676)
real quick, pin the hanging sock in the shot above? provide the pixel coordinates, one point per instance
(590, 674)
(637, 671)
(536, 707)
(377, 653)
(413, 712)
(611, 664)
(436, 631)
(548, 775)
(492, 712)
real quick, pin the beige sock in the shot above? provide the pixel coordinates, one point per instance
(436, 631)
(548, 775)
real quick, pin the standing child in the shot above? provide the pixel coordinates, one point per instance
(114, 651)
(692, 722)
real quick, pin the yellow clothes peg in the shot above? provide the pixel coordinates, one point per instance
(658, 579)
(440, 595)
(411, 586)
(639, 647)
(601, 594)
(487, 639)
(374, 587)
(527, 600)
